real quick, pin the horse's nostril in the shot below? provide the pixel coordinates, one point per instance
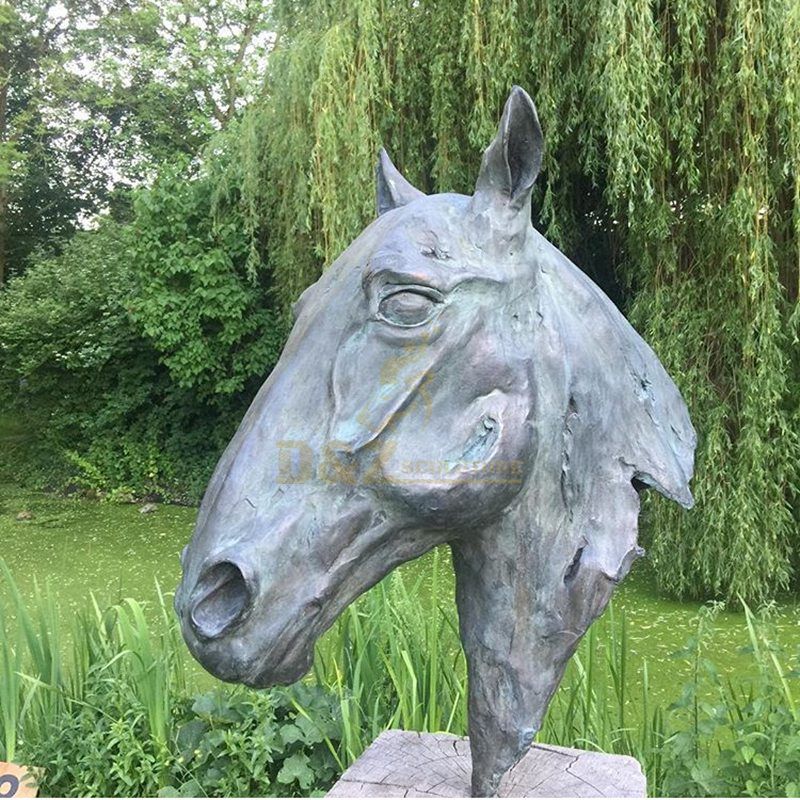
(220, 600)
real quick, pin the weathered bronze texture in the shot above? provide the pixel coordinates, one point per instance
(452, 377)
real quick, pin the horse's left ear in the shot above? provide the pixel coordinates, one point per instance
(513, 159)
(393, 189)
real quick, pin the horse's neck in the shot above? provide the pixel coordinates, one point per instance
(517, 636)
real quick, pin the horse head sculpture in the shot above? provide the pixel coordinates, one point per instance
(452, 377)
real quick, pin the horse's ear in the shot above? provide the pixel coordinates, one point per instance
(393, 189)
(513, 159)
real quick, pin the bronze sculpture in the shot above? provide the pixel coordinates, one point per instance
(452, 377)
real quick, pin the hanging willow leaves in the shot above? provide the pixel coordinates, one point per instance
(672, 176)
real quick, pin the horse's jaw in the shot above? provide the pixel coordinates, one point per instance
(263, 582)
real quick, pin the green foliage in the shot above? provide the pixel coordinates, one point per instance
(236, 743)
(109, 711)
(49, 334)
(134, 353)
(224, 743)
(736, 740)
(95, 96)
(63, 329)
(200, 296)
(110, 714)
(103, 410)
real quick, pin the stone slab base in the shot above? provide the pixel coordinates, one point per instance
(408, 764)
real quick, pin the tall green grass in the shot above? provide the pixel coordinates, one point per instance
(40, 679)
(31, 674)
(394, 660)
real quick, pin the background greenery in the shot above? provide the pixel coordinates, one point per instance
(174, 174)
(229, 149)
(111, 711)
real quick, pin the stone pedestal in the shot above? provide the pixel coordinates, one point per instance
(408, 764)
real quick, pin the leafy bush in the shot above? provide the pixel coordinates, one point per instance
(237, 743)
(133, 355)
(66, 345)
(111, 714)
(102, 410)
(224, 743)
(736, 740)
(202, 299)
(101, 747)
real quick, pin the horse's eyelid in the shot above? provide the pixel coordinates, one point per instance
(426, 291)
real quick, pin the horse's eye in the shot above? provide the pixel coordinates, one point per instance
(407, 308)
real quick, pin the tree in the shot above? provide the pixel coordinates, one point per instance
(202, 298)
(93, 96)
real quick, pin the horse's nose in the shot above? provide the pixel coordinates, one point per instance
(220, 599)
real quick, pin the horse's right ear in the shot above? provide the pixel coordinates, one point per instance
(393, 189)
(513, 159)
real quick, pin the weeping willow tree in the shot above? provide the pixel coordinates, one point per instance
(672, 175)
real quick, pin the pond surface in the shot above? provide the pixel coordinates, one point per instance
(82, 547)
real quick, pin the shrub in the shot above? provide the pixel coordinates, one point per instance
(737, 739)
(202, 298)
(238, 743)
(110, 714)
(132, 356)
(101, 410)
(101, 747)
(224, 743)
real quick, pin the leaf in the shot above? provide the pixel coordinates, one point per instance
(215, 707)
(315, 731)
(190, 788)
(296, 769)
(291, 734)
(189, 736)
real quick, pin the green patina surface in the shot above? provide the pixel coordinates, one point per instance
(113, 551)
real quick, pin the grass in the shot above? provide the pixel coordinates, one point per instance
(113, 550)
(394, 660)
(31, 690)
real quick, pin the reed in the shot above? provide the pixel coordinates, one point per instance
(594, 708)
(31, 674)
(10, 691)
(394, 659)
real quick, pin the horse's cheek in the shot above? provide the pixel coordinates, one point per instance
(467, 471)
